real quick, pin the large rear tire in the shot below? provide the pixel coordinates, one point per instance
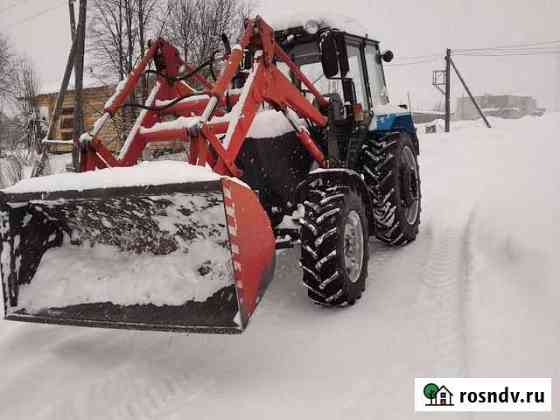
(390, 169)
(334, 245)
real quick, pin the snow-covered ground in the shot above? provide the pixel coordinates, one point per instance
(476, 295)
(12, 169)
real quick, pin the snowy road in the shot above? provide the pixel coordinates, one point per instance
(476, 295)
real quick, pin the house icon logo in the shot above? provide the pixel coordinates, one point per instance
(438, 396)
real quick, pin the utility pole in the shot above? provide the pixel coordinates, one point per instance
(39, 165)
(72, 61)
(475, 103)
(79, 78)
(557, 99)
(409, 102)
(447, 90)
(72, 14)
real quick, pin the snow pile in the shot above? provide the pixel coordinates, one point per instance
(147, 173)
(294, 19)
(131, 273)
(506, 176)
(72, 275)
(58, 163)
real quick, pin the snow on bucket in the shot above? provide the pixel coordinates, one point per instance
(185, 256)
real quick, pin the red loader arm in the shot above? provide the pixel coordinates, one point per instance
(213, 136)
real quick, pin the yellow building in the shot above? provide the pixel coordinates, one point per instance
(94, 99)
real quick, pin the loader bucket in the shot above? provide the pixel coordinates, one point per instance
(191, 257)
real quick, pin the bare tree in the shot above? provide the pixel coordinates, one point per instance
(6, 71)
(117, 34)
(107, 40)
(20, 135)
(147, 18)
(118, 31)
(196, 26)
(25, 90)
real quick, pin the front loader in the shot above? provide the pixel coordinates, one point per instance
(298, 122)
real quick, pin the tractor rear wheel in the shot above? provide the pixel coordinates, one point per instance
(334, 245)
(390, 170)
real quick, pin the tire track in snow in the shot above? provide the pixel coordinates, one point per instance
(148, 386)
(445, 297)
(395, 274)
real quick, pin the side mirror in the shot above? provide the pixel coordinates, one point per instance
(388, 56)
(329, 55)
(342, 54)
(334, 56)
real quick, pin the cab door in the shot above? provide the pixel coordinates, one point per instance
(357, 72)
(375, 74)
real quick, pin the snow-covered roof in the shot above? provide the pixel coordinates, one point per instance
(54, 87)
(299, 18)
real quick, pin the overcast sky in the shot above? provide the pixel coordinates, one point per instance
(410, 28)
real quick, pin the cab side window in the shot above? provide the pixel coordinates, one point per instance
(375, 75)
(357, 74)
(308, 57)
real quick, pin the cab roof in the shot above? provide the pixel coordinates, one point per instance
(283, 22)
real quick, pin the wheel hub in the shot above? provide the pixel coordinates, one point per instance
(353, 246)
(410, 191)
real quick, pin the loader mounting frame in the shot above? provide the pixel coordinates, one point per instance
(213, 136)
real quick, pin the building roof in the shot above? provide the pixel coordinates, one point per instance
(54, 87)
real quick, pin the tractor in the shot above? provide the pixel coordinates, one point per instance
(295, 142)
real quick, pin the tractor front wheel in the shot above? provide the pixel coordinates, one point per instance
(334, 245)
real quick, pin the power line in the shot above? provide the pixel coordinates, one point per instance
(420, 57)
(36, 15)
(509, 54)
(412, 63)
(510, 46)
(537, 47)
(512, 50)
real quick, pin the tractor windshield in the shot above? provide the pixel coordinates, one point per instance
(308, 57)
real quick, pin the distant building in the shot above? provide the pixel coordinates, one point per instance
(94, 99)
(503, 106)
(422, 117)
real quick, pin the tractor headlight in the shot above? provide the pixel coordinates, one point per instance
(311, 27)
